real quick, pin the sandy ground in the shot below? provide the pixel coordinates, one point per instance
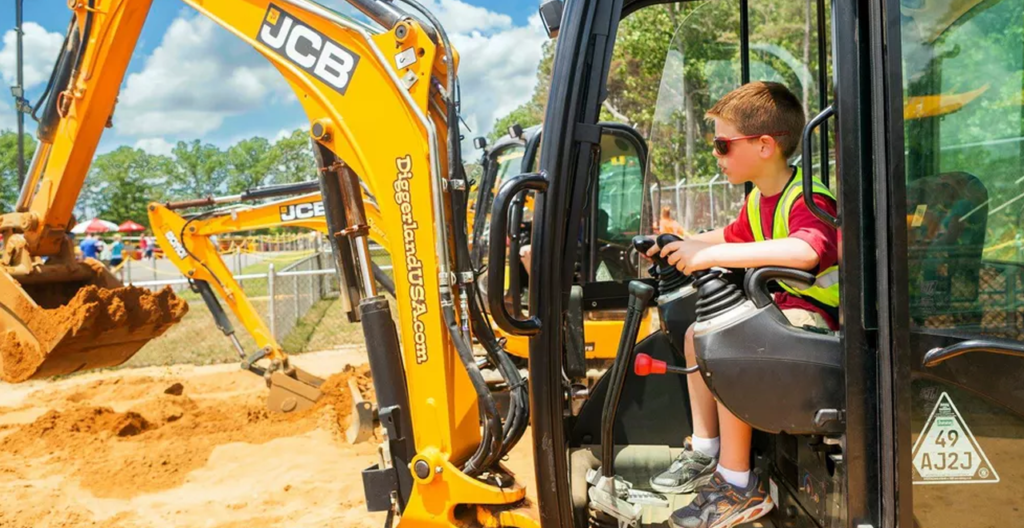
(123, 449)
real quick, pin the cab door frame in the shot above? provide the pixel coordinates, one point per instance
(863, 200)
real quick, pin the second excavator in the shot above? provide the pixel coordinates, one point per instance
(186, 241)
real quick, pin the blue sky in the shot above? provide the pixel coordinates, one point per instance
(190, 79)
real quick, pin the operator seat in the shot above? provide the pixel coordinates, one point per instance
(947, 216)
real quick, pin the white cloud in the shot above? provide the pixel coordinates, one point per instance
(158, 146)
(459, 17)
(198, 76)
(8, 120)
(39, 55)
(286, 132)
(498, 68)
(455, 15)
(497, 72)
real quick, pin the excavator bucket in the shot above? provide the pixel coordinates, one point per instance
(50, 325)
(293, 394)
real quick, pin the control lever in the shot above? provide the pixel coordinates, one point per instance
(640, 294)
(645, 365)
(608, 493)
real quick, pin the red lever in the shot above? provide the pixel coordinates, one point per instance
(645, 365)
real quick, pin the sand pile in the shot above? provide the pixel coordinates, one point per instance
(157, 442)
(98, 327)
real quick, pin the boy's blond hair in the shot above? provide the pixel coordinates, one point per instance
(763, 108)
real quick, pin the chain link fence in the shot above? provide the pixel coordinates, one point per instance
(297, 296)
(986, 300)
(700, 206)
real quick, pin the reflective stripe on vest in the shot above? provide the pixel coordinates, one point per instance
(826, 287)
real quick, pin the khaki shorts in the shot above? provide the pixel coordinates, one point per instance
(799, 317)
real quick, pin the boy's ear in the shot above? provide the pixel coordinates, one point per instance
(766, 146)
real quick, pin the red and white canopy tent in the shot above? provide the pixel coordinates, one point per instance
(130, 227)
(94, 226)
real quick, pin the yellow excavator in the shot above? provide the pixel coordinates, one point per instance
(382, 101)
(186, 242)
(842, 421)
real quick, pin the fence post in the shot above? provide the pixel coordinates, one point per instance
(679, 201)
(297, 294)
(271, 312)
(313, 279)
(711, 199)
(128, 265)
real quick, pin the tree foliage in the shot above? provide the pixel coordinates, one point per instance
(121, 183)
(9, 167)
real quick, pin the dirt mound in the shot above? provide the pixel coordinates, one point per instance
(98, 327)
(336, 394)
(156, 443)
(56, 426)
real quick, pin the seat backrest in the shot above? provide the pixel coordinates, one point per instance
(947, 216)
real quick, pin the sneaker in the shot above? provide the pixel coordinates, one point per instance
(722, 505)
(688, 472)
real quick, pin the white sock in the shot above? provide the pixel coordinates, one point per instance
(708, 446)
(740, 479)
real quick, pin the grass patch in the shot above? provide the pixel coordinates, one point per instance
(298, 339)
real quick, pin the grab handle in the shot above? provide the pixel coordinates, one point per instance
(497, 253)
(808, 166)
(756, 283)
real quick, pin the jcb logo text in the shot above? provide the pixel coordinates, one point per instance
(309, 49)
(301, 211)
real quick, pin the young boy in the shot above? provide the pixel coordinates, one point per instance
(757, 129)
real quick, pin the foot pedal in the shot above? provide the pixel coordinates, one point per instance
(617, 498)
(361, 427)
(288, 394)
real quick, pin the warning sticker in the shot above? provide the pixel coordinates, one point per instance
(946, 451)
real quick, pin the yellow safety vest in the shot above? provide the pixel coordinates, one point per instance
(826, 289)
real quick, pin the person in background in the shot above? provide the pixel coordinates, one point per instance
(117, 252)
(88, 247)
(144, 245)
(102, 250)
(667, 224)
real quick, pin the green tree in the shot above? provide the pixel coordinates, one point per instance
(9, 187)
(121, 183)
(292, 158)
(250, 163)
(199, 170)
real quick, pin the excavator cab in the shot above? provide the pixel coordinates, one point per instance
(908, 414)
(607, 257)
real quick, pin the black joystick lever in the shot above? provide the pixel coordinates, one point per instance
(640, 295)
(669, 278)
(642, 245)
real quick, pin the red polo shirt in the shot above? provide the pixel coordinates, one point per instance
(803, 225)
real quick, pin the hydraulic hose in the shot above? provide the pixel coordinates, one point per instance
(490, 445)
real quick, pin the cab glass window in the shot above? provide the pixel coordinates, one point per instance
(702, 63)
(963, 66)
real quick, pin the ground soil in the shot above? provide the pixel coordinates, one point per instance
(93, 316)
(186, 446)
(181, 447)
